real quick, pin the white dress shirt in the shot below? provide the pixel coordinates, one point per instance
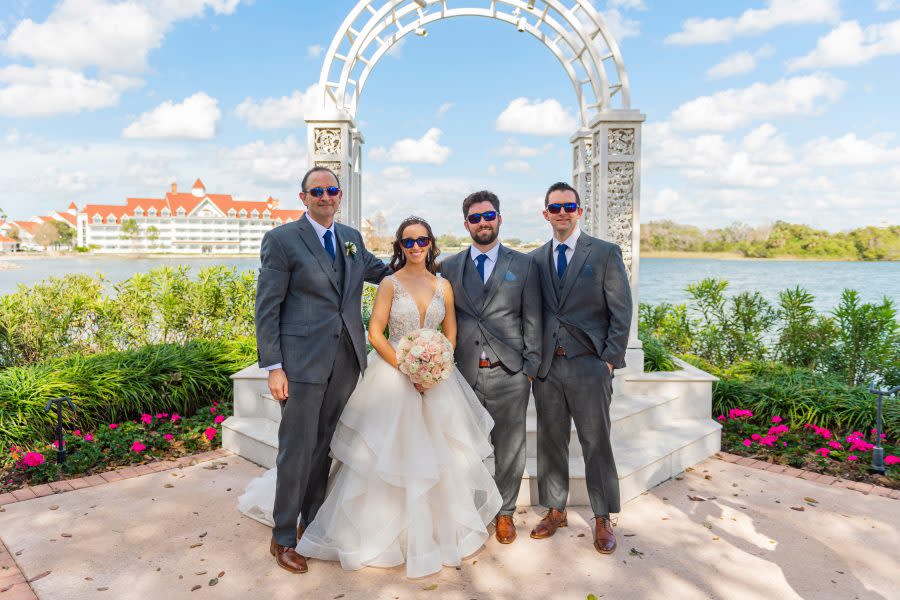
(320, 231)
(570, 245)
(491, 261)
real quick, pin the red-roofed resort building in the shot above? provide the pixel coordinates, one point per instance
(182, 223)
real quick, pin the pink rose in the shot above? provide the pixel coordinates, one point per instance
(823, 451)
(748, 443)
(219, 419)
(33, 459)
(175, 417)
(146, 419)
(138, 447)
(88, 438)
(210, 433)
(169, 437)
(113, 426)
(852, 458)
(77, 432)
(890, 459)
(777, 419)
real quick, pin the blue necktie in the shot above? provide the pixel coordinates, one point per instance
(480, 260)
(329, 244)
(561, 262)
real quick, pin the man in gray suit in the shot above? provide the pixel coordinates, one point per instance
(498, 314)
(587, 317)
(310, 337)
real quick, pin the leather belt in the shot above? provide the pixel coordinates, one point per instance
(560, 351)
(483, 364)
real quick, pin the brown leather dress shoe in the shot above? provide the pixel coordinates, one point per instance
(287, 558)
(553, 520)
(604, 538)
(506, 529)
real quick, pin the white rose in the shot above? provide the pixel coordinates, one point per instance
(416, 351)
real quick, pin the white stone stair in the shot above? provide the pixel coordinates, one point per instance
(660, 425)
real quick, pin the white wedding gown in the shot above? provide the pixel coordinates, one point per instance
(409, 484)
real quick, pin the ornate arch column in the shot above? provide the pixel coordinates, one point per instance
(334, 142)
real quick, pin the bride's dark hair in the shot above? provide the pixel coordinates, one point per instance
(398, 260)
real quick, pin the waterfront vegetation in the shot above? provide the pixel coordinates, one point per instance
(165, 342)
(779, 240)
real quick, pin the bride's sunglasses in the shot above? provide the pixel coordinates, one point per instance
(409, 242)
(318, 192)
(555, 208)
(475, 218)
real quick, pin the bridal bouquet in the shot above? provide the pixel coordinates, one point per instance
(426, 357)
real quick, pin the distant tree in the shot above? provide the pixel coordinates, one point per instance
(152, 235)
(515, 242)
(130, 230)
(46, 235)
(14, 234)
(66, 234)
(3, 214)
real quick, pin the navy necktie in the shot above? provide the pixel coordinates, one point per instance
(480, 260)
(329, 244)
(561, 262)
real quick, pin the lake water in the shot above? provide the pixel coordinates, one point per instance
(662, 279)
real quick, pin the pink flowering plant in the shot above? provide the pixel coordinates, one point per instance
(150, 436)
(808, 446)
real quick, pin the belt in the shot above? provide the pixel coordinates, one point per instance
(560, 351)
(483, 364)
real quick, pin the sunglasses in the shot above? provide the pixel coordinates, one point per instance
(475, 218)
(555, 209)
(408, 242)
(318, 192)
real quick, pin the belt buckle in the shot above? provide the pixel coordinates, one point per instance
(484, 363)
(560, 351)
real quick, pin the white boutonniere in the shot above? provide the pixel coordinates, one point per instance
(350, 249)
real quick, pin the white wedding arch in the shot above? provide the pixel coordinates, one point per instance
(605, 148)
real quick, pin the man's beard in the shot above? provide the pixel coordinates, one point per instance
(485, 236)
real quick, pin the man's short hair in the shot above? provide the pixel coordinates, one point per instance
(314, 170)
(482, 196)
(561, 186)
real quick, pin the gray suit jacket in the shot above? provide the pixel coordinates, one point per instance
(301, 306)
(509, 319)
(595, 299)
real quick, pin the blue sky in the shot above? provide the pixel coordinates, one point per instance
(756, 111)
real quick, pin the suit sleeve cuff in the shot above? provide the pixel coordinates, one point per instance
(273, 367)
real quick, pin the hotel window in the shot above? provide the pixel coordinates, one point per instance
(151, 212)
(180, 211)
(139, 212)
(110, 219)
(165, 212)
(98, 219)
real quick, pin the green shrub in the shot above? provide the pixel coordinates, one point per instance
(117, 385)
(868, 340)
(804, 337)
(656, 356)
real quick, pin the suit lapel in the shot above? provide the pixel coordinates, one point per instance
(309, 237)
(582, 249)
(543, 257)
(349, 261)
(498, 275)
(459, 284)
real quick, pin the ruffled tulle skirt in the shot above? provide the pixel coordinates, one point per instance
(410, 485)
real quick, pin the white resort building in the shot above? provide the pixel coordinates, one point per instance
(183, 223)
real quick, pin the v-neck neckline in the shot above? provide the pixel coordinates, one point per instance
(422, 315)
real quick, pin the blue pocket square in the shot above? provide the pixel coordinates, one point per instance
(510, 276)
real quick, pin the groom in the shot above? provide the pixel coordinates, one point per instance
(587, 317)
(310, 338)
(498, 312)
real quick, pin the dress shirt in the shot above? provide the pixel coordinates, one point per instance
(491, 261)
(570, 245)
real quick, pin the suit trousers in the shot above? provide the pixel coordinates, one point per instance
(576, 389)
(505, 396)
(308, 419)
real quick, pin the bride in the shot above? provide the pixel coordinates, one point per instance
(409, 484)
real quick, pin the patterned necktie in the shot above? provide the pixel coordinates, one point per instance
(480, 260)
(561, 262)
(329, 244)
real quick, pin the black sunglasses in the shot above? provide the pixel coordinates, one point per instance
(318, 192)
(555, 208)
(408, 242)
(475, 218)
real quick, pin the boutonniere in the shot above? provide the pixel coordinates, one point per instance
(350, 249)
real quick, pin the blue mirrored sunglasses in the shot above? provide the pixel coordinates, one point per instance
(556, 208)
(421, 241)
(475, 218)
(318, 192)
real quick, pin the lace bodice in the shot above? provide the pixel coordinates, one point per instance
(405, 316)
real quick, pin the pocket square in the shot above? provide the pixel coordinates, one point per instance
(510, 276)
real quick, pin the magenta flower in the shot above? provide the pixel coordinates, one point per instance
(88, 438)
(748, 443)
(755, 437)
(162, 415)
(720, 418)
(169, 437)
(777, 419)
(210, 433)
(823, 451)
(33, 459)
(835, 444)
(146, 419)
(138, 447)
(890, 459)
(219, 419)
(852, 458)
(779, 429)
(55, 444)
(77, 432)
(212, 409)
(768, 440)
(175, 417)
(113, 426)
(739, 413)
(784, 444)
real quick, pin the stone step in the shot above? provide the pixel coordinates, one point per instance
(643, 460)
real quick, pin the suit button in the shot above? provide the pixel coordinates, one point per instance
(477, 343)
(554, 334)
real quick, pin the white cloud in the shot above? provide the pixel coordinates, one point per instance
(517, 166)
(444, 108)
(195, 118)
(12, 137)
(628, 4)
(41, 91)
(513, 148)
(279, 162)
(733, 108)
(397, 172)
(777, 13)
(315, 51)
(276, 113)
(887, 5)
(426, 150)
(619, 25)
(849, 150)
(536, 117)
(849, 44)
(739, 64)
(111, 35)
